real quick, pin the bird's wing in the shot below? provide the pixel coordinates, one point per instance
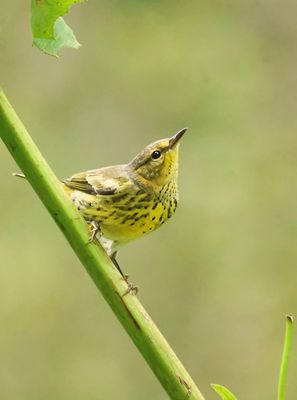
(103, 181)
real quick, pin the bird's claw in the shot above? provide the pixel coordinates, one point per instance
(94, 229)
(132, 289)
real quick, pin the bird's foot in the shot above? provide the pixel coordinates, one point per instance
(132, 289)
(94, 229)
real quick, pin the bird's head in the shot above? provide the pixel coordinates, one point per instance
(157, 163)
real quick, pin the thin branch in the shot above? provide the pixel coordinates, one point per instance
(140, 327)
(285, 358)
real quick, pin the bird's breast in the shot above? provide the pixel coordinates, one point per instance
(127, 216)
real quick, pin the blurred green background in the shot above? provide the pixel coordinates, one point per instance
(218, 278)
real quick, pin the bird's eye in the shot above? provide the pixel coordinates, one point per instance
(156, 154)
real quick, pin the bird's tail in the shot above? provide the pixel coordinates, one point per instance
(19, 175)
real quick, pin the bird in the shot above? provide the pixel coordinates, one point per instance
(122, 203)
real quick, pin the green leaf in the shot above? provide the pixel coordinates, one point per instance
(283, 373)
(64, 37)
(223, 392)
(50, 31)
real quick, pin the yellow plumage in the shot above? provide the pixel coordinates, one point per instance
(131, 200)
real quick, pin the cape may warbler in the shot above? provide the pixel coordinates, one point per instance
(125, 202)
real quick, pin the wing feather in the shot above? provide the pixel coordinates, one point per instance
(103, 181)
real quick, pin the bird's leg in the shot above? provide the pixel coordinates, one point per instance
(94, 230)
(116, 264)
(131, 288)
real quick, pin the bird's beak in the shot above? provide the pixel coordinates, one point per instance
(176, 138)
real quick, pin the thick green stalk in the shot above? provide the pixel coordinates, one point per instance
(140, 327)
(283, 373)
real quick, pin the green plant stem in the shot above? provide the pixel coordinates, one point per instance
(285, 358)
(140, 327)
